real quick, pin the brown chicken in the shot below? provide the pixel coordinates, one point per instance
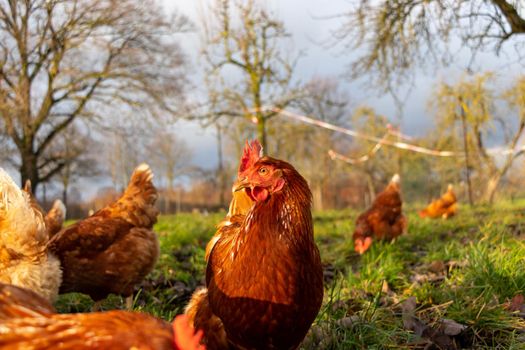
(24, 259)
(264, 276)
(444, 207)
(383, 221)
(55, 218)
(115, 248)
(28, 321)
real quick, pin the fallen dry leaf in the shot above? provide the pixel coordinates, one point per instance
(410, 321)
(437, 266)
(451, 327)
(440, 337)
(516, 303)
(348, 322)
(385, 288)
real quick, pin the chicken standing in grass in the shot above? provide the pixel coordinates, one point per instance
(24, 258)
(28, 321)
(444, 207)
(115, 248)
(264, 276)
(383, 221)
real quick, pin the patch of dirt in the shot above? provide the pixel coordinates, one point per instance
(330, 272)
(516, 229)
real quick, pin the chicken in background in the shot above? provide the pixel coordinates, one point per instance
(24, 258)
(444, 207)
(55, 218)
(28, 321)
(383, 221)
(264, 279)
(114, 249)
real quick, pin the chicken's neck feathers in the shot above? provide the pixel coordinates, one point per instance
(286, 215)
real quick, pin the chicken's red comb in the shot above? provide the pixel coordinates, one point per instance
(251, 154)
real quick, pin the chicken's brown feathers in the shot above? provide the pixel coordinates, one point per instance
(444, 207)
(104, 255)
(137, 204)
(101, 330)
(258, 266)
(32, 200)
(201, 317)
(30, 322)
(16, 302)
(115, 248)
(384, 220)
(55, 218)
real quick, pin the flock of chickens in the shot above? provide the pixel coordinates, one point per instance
(264, 278)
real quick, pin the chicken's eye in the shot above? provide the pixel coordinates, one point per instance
(263, 171)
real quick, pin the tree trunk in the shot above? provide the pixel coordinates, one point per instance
(492, 186)
(318, 196)
(220, 169)
(465, 148)
(64, 196)
(29, 169)
(371, 189)
(261, 133)
(65, 176)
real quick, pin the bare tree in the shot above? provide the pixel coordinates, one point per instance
(397, 36)
(171, 156)
(77, 151)
(124, 150)
(470, 105)
(382, 164)
(63, 60)
(306, 146)
(247, 42)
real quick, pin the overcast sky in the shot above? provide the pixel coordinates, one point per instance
(309, 26)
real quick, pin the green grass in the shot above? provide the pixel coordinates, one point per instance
(465, 269)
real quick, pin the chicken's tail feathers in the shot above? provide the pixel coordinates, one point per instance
(141, 184)
(198, 301)
(28, 187)
(396, 179)
(201, 317)
(137, 203)
(59, 209)
(55, 217)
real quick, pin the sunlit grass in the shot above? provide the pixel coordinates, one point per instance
(465, 269)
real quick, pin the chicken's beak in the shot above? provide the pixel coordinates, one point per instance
(240, 184)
